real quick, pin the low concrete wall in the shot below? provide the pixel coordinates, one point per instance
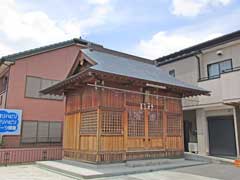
(26, 155)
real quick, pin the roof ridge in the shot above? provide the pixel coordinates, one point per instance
(41, 49)
(123, 55)
(198, 47)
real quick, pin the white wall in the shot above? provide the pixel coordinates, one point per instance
(224, 89)
(230, 51)
(185, 70)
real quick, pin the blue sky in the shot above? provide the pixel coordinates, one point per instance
(150, 28)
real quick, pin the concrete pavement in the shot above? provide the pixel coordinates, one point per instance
(90, 171)
(201, 172)
(219, 171)
(32, 172)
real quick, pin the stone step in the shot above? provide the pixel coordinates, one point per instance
(83, 170)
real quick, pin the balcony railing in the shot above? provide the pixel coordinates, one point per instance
(223, 90)
(219, 75)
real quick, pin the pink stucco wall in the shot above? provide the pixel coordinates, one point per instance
(50, 65)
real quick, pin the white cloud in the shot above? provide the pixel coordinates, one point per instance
(192, 8)
(166, 42)
(4, 50)
(39, 29)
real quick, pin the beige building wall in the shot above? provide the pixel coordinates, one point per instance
(229, 51)
(185, 70)
(225, 89)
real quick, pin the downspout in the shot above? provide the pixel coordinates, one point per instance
(199, 66)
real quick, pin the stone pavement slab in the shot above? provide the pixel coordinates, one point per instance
(160, 175)
(28, 172)
(86, 170)
(32, 172)
(220, 171)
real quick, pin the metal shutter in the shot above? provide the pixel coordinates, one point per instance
(43, 128)
(45, 84)
(55, 131)
(29, 132)
(33, 85)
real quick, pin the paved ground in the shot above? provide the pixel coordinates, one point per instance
(220, 171)
(28, 172)
(202, 172)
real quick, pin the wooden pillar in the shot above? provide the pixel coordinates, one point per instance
(182, 128)
(147, 140)
(125, 128)
(165, 125)
(65, 135)
(78, 121)
(98, 135)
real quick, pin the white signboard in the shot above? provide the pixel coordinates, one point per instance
(10, 121)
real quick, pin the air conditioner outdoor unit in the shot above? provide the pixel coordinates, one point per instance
(193, 147)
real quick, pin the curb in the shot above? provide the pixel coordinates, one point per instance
(208, 159)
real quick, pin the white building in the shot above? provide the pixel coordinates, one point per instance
(213, 122)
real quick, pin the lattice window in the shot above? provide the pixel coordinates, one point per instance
(88, 122)
(111, 122)
(155, 124)
(136, 123)
(174, 124)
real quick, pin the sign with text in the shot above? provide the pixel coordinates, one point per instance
(10, 121)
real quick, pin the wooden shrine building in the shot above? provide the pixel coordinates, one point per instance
(120, 108)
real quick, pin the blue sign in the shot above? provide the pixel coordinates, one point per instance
(10, 121)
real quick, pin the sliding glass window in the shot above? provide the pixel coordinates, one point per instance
(215, 69)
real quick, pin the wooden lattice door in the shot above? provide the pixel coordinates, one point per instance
(136, 127)
(155, 122)
(145, 122)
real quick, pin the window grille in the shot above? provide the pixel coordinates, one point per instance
(111, 122)
(174, 124)
(155, 124)
(136, 123)
(88, 122)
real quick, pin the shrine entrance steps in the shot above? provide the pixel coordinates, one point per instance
(88, 171)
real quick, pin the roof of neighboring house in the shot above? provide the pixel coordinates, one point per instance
(193, 50)
(20, 55)
(31, 52)
(123, 66)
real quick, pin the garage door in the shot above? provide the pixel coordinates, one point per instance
(221, 136)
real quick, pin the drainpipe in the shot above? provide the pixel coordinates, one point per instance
(199, 65)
